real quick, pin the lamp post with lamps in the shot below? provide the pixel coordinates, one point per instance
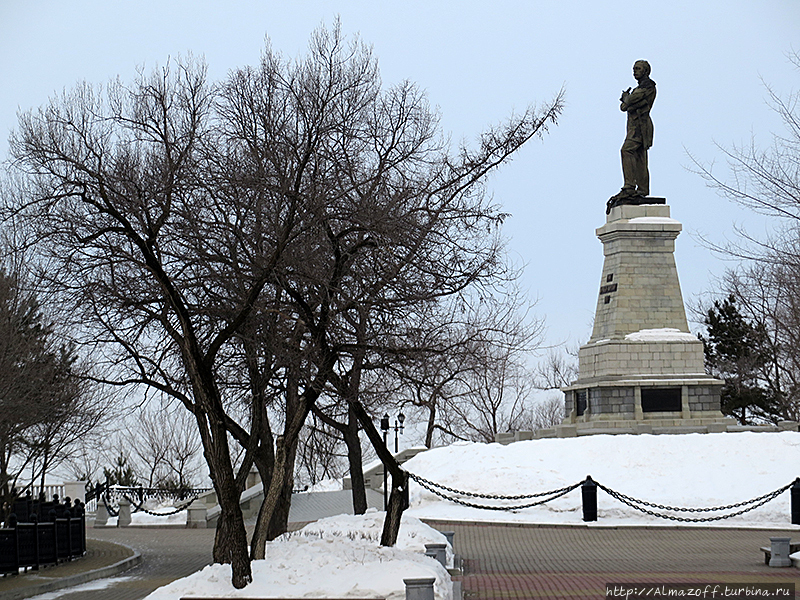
(398, 430)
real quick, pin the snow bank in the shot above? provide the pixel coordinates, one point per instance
(335, 557)
(695, 470)
(666, 334)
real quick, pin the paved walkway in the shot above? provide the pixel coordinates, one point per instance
(576, 562)
(167, 554)
(501, 561)
(100, 559)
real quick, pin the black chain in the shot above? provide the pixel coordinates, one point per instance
(141, 508)
(428, 485)
(422, 481)
(111, 512)
(620, 496)
(634, 503)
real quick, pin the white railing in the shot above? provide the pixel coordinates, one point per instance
(49, 490)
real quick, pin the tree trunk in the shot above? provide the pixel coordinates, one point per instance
(391, 524)
(355, 460)
(230, 541)
(272, 496)
(264, 459)
(394, 511)
(279, 523)
(431, 423)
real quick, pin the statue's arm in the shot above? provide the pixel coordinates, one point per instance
(638, 98)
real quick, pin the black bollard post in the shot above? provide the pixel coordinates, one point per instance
(589, 494)
(795, 490)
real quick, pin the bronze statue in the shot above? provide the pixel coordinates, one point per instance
(637, 103)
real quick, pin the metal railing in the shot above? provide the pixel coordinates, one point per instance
(32, 545)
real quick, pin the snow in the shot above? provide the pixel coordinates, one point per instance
(326, 485)
(98, 584)
(340, 556)
(666, 334)
(693, 470)
(334, 557)
(143, 519)
(659, 220)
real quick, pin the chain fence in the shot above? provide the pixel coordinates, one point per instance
(139, 507)
(112, 512)
(546, 496)
(640, 505)
(452, 495)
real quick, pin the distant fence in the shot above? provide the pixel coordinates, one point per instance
(137, 496)
(58, 536)
(49, 490)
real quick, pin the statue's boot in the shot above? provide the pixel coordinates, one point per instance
(626, 192)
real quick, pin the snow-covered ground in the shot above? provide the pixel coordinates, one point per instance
(694, 470)
(337, 557)
(340, 556)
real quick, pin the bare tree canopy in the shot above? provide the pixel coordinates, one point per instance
(765, 287)
(240, 246)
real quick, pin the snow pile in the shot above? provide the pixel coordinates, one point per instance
(695, 470)
(337, 557)
(413, 536)
(666, 334)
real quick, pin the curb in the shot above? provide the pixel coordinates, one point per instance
(599, 525)
(73, 580)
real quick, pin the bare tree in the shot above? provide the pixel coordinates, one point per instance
(110, 185)
(297, 199)
(558, 369)
(767, 285)
(388, 218)
(165, 446)
(548, 412)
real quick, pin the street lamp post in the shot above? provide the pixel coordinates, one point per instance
(398, 430)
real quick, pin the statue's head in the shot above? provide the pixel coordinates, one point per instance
(643, 68)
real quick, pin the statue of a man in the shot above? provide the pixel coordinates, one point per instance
(639, 138)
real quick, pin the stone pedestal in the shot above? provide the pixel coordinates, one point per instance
(642, 371)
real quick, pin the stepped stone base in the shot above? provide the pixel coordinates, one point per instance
(649, 426)
(642, 371)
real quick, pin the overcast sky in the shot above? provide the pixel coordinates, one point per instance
(478, 62)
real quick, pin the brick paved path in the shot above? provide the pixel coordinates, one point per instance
(576, 562)
(504, 562)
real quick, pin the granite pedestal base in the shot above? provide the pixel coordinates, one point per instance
(642, 371)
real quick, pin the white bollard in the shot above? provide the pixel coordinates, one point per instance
(101, 514)
(419, 589)
(779, 552)
(124, 518)
(197, 515)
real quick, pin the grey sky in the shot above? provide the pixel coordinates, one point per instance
(479, 61)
